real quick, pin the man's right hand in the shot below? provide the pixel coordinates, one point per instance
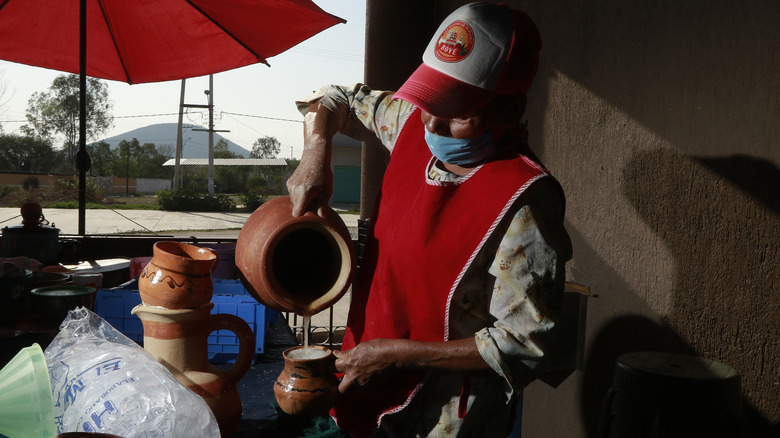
(311, 185)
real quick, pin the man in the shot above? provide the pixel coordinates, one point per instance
(453, 309)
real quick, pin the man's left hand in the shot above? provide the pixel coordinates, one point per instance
(367, 364)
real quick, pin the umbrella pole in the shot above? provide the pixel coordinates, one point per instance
(211, 135)
(82, 156)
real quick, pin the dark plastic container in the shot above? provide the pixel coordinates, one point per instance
(667, 395)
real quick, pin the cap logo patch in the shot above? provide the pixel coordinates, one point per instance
(455, 43)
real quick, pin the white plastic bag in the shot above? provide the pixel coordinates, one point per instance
(104, 382)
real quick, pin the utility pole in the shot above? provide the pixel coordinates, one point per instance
(127, 171)
(211, 131)
(179, 144)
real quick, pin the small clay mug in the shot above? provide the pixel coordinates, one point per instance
(308, 385)
(178, 276)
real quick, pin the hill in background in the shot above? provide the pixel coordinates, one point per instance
(196, 143)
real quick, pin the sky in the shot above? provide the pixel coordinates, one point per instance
(251, 102)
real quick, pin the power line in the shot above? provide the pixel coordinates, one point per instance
(136, 116)
(116, 117)
(279, 119)
(263, 117)
(147, 115)
(256, 131)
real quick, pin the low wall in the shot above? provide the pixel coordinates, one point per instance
(44, 181)
(114, 185)
(152, 185)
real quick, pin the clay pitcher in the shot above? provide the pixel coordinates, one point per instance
(178, 339)
(178, 276)
(295, 264)
(307, 385)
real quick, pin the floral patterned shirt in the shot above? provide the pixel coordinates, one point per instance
(503, 299)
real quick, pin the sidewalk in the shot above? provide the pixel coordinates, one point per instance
(105, 221)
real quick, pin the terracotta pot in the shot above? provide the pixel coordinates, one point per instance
(178, 276)
(34, 238)
(178, 339)
(295, 264)
(307, 387)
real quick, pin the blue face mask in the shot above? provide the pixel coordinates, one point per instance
(461, 151)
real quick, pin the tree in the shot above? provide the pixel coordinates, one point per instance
(127, 152)
(265, 147)
(103, 158)
(221, 150)
(150, 162)
(56, 111)
(229, 179)
(143, 161)
(26, 154)
(3, 100)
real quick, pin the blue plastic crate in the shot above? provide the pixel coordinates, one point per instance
(226, 286)
(114, 305)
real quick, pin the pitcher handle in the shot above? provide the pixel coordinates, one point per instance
(246, 342)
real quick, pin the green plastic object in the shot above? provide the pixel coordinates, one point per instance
(26, 406)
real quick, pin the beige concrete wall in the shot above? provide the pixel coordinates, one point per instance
(122, 185)
(19, 179)
(113, 184)
(661, 119)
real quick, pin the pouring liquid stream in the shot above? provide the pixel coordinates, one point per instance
(306, 323)
(307, 353)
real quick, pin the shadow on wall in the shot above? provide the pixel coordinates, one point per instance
(725, 303)
(615, 335)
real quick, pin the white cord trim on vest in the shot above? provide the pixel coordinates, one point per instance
(481, 244)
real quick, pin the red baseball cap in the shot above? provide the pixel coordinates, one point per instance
(480, 50)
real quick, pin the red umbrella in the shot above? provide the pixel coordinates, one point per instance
(139, 41)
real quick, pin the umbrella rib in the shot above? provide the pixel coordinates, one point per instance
(113, 40)
(2, 5)
(228, 33)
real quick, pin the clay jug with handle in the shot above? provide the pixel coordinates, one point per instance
(178, 339)
(295, 264)
(178, 276)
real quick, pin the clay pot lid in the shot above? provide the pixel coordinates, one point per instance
(63, 291)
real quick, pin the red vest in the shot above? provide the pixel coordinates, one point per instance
(424, 235)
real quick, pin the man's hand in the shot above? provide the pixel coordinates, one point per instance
(373, 361)
(366, 364)
(311, 185)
